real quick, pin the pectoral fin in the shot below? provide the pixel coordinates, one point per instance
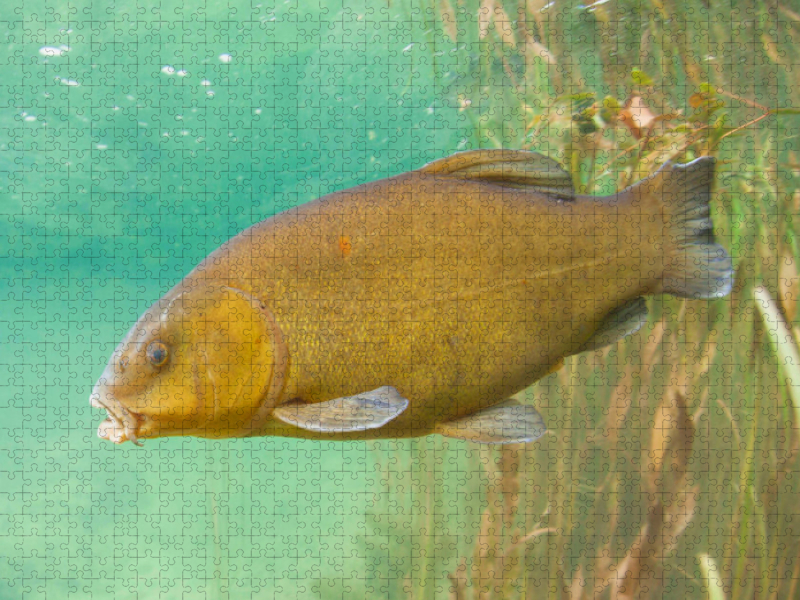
(506, 423)
(369, 410)
(625, 320)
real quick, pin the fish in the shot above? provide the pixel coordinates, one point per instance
(413, 305)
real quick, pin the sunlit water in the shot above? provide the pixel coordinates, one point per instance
(134, 141)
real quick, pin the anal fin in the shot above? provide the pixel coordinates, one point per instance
(620, 322)
(555, 368)
(369, 410)
(506, 423)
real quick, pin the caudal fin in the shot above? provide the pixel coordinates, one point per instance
(697, 266)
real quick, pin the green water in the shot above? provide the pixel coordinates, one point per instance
(136, 138)
(133, 141)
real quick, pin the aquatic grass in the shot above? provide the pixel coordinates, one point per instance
(712, 578)
(619, 462)
(783, 342)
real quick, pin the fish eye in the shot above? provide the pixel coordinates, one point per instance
(157, 353)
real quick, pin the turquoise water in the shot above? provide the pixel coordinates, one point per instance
(136, 138)
(133, 141)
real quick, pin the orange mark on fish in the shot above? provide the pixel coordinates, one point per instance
(345, 245)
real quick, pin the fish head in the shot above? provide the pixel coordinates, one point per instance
(200, 361)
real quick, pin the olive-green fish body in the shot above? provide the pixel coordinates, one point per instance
(412, 305)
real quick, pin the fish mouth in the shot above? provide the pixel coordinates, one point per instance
(121, 424)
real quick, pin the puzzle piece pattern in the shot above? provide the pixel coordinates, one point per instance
(137, 137)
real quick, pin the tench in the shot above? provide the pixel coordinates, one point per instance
(412, 305)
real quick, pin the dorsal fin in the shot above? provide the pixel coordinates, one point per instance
(509, 168)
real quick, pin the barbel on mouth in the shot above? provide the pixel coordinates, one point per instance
(124, 425)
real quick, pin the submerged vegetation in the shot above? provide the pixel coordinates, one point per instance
(671, 467)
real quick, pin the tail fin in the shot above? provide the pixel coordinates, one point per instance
(700, 268)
